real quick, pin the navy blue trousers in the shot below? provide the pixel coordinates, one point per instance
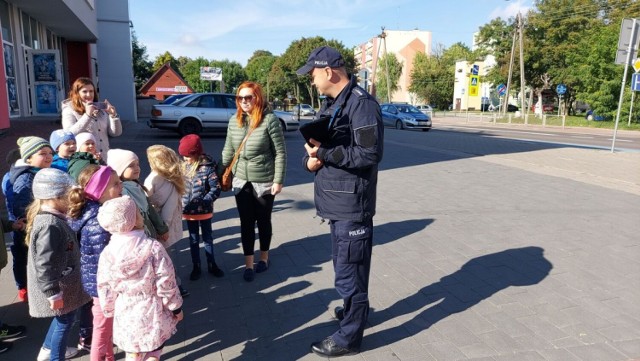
(351, 244)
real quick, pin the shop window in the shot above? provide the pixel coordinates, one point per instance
(5, 21)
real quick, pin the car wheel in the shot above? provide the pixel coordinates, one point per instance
(189, 126)
(426, 129)
(399, 124)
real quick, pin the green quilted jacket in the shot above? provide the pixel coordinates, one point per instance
(264, 156)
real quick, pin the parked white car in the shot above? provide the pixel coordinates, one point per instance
(205, 111)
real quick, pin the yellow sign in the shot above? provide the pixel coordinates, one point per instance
(636, 65)
(474, 81)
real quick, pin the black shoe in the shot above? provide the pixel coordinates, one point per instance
(84, 344)
(263, 266)
(183, 292)
(214, 269)
(338, 313)
(328, 348)
(248, 274)
(5, 346)
(8, 331)
(195, 274)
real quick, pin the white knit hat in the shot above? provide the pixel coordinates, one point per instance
(50, 183)
(118, 215)
(81, 138)
(120, 159)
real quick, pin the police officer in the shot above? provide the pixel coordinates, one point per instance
(346, 175)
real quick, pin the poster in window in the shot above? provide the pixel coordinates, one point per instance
(46, 98)
(8, 60)
(12, 93)
(44, 67)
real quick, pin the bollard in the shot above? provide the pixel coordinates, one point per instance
(563, 120)
(544, 120)
(509, 118)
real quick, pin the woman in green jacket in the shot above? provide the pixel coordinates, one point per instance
(258, 172)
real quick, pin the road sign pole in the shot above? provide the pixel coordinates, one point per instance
(633, 95)
(624, 81)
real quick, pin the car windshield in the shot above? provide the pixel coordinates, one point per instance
(407, 109)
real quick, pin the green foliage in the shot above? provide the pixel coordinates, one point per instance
(387, 61)
(166, 58)
(141, 64)
(191, 74)
(258, 69)
(432, 77)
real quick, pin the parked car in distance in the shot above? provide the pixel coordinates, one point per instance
(174, 97)
(404, 116)
(304, 109)
(204, 111)
(426, 109)
(495, 108)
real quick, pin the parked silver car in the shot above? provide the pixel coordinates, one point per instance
(404, 116)
(204, 111)
(304, 109)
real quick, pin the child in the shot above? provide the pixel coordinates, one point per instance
(7, 188)
(136, 283)
(165, 184)
(64, 145)
(202, 189)
(78, 161)
(53, 268)
(86, 142)
(36, 154)
(8, 331)
(98, 184)
(127, 166)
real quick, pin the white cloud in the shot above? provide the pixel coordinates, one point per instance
(510, 10)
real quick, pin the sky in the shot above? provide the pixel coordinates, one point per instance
(233, 30)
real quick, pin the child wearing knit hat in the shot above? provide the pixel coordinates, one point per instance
(86, 142)
(35, 154)
(201, 191)
(132, 264)
(127, 166)
(53, 270)
(63, 143)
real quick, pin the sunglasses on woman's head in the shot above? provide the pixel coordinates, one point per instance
(247, 98)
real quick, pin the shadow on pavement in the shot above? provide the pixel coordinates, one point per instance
(476, 280)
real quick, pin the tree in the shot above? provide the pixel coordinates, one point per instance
(432, 78)
(191, 74)
(166, 58)
(395, 70)
(141, 64)
(258, 69)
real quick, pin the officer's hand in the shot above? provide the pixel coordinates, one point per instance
(276, 188)
(313, 164)
(312, 150)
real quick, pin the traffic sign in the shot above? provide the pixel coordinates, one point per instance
(502, 89)
(475, 69)
(635, 82)
(561, 89)
(473, 85)
(636, 65)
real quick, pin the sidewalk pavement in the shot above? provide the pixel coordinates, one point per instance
(478, 255)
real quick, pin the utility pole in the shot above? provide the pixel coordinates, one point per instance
(383, 35)
(522, 83)
(519, 33)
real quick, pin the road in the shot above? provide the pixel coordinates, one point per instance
(485, 248)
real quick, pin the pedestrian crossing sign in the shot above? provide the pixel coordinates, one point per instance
(473, 85)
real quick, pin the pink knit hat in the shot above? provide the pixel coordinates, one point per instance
(118, 215)
(120, 159)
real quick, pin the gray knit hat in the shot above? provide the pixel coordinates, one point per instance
(50, 183)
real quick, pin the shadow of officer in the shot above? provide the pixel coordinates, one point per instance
(475, 281)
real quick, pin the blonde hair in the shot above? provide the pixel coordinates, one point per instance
(164, 161)
(189, 169)
(77, 198)
(32, 210)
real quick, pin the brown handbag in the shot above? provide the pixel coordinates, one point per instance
(226, 181)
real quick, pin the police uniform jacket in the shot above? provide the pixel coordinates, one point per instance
(345, 186)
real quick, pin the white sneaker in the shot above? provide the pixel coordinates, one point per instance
(45, 353)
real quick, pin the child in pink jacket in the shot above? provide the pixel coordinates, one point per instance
(136, 271)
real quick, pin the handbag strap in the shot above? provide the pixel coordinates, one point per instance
(235, 156)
